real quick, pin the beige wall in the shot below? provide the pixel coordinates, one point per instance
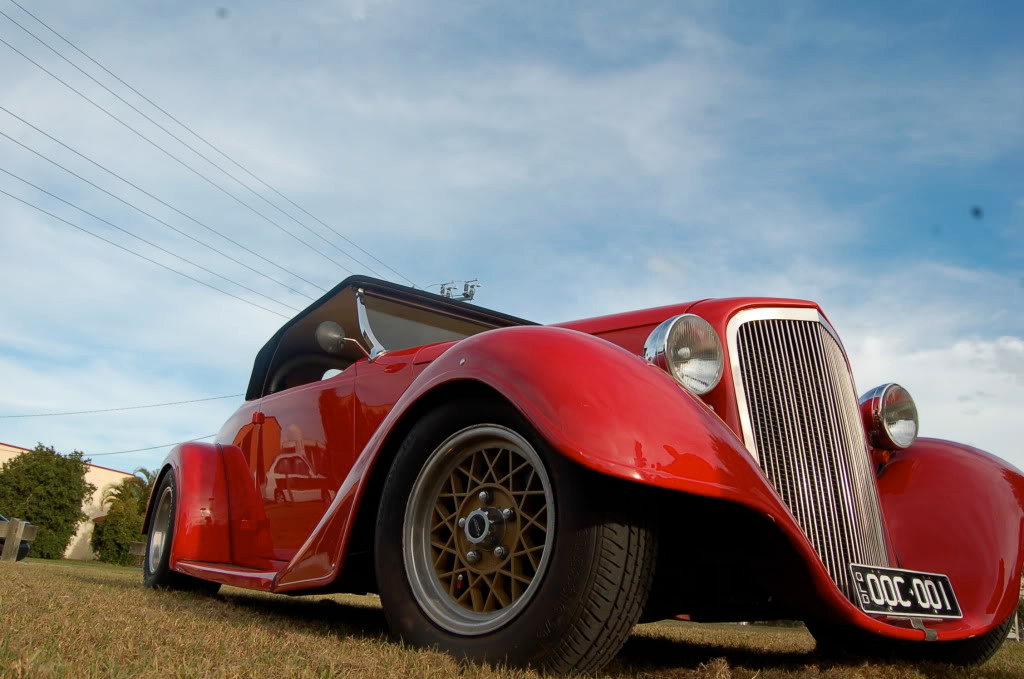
(102, 478)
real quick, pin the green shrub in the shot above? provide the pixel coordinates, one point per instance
(48, 489)
(111, 536)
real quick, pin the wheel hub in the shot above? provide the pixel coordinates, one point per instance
(484, 527)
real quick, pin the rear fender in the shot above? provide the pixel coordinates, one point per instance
(959, 511)
(218, 517)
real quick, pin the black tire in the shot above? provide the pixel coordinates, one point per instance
(580, 607)
(842, 642)
(156, 570)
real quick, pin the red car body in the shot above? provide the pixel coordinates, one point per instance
(586, 389)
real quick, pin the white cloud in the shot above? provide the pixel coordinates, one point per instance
(621, 159)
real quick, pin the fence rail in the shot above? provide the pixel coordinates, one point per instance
(14, 532)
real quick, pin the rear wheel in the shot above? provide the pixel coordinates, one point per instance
(156, 570)
(840, 641)
(493, 547)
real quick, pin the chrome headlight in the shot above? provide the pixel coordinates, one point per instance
(890, 416)
(688, 349)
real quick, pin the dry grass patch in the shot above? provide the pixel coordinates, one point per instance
(58, 620)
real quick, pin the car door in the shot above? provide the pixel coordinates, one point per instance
(304, 454)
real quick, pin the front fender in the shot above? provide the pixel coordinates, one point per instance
(608, 410)
(593, 401)
(959, 511)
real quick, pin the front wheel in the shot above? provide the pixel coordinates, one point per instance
(493, 547)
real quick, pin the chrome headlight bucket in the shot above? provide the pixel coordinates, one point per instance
(688, 349)
(890, 416)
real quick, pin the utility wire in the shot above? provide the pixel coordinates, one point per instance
(140, 238)
(209, 144)
(172, 156)
(139, 450)
(111, 410)
(141, 211)
(140, 256)
(165, 204)
(181, 141)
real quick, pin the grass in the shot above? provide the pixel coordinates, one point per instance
(62, 620)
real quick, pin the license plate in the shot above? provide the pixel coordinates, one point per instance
(893, 591)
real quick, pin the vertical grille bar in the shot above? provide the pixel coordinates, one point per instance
(806, 430)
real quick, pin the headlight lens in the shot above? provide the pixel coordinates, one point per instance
(688, 348)
(890, 416)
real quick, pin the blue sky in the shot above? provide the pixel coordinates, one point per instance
(577, 158)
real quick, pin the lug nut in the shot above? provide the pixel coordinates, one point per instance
(462, 522)
(507, 514)
(472, 557)
(500, 552)
(485, 497)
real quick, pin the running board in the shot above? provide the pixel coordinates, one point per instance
(227, 574)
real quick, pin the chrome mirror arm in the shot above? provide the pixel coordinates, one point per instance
(376, 348)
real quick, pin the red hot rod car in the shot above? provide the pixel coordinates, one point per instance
(525, 494)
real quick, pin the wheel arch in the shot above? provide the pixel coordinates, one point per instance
(364, 526)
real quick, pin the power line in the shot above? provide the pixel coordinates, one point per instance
(141, 211)
(212, 146)
(141, 256)
(147, 242)
(139, 450)
(181, 141)
(111, 410)
(165, 204)
(172, 156)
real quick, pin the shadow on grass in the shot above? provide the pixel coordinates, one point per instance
(642, 653)
(645, 655)
(322, 616)
(330, 618)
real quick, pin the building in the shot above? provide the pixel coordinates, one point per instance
(102, 478)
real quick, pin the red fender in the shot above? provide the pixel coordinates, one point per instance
(216, 521)
(957, 510)
(651, 431)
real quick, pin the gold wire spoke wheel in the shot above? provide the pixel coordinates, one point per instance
(478, 529)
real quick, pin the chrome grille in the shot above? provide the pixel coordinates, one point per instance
(803, 425)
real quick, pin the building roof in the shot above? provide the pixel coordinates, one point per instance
(11, 445)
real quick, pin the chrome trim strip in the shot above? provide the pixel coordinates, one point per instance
(365, 331)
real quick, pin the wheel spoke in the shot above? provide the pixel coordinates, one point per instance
(446, 521)
(511, 474)
(534, 520)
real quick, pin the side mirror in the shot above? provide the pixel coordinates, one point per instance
(331, 337)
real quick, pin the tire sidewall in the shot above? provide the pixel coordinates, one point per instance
(538, 628)
(162, 575)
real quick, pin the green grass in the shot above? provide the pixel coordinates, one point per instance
(75, 563)
(66, 619)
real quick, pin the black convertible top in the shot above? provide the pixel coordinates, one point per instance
(296, 338)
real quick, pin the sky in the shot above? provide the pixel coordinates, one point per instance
(576, 158)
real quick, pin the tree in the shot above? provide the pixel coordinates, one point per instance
(121, 526)
(123, 523)
(48, 489)
(134, 489)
